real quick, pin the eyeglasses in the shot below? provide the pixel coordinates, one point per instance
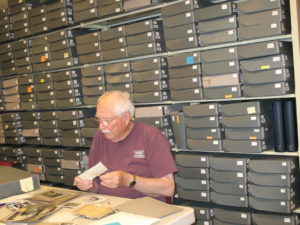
(107, 122)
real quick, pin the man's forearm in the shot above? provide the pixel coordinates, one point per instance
(156, 187)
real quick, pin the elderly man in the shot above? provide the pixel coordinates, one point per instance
(137, 155)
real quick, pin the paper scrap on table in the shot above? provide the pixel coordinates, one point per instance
(93, 172)
(124, 218)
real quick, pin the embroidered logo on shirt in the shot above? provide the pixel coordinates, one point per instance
(139, 154)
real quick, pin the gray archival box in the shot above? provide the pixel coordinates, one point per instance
(18, 181)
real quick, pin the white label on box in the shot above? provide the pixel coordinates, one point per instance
(213, 130)
(253, 143)
(276, 59)
(122, 49)
(201, 211)
(188, 14)
(194, 80)
(150, 45)
(120, 28)
(26, 184)
(118, 10)
(121, 40)
(189, 31)
(147, 23)
(127, 75)
(156, 72)
(282, 190)
(253, 118)
(155, 60)
(251, 110)
(278, 85)
(155, 83)
(230, 32)
(287, 220)
(239, 175)
(202, 171)
(231, 63)
(203, 182)
(187, 2)
(149, 34)
(69, 63)
(196, 91)
(234, 89)
(127, 86)
(239, 163)
(211, 106)
(274, 25)
(275, 13)
(156, 94)
(241, 186)
(242, 199)
(191, 38)
(224, 6)
(63, 19)
(73, 112)
(270, 45)
(231, 50)
(203, 194)
(243, 215)
(74, 122)
(215, 142)
(62, 14)
(283, 177)
(279, 71)
(231, 20)
(235, 75)
(206, 223)
(212, 118)
(284, 164)
(77, 140)
(256, 130)
(202, 159)
(282, 203)
(194, 67)
(98, 54)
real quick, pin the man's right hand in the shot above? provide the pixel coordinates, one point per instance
(83, 185)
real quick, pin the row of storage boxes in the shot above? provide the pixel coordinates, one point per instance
(266, 183)
(245, 127)
(57, 165)
(179, 77)
(28, 18)
(209, 214)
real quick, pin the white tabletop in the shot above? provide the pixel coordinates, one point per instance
(184, 217)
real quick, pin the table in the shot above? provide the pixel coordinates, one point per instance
(184, 217)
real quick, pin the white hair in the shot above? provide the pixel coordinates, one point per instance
(122, 101)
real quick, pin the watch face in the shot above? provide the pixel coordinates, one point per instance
(132, 183)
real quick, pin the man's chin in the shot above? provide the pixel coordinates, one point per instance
(108, 135)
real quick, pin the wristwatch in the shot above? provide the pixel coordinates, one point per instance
(133, 182)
